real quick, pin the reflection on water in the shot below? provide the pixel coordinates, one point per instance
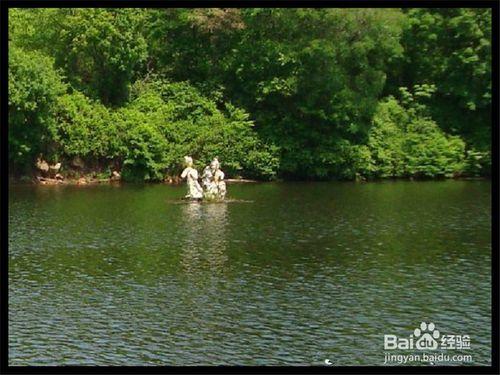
(204, 243)
(282, 274)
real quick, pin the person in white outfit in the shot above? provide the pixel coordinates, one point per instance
(215, 188)
(191, 175)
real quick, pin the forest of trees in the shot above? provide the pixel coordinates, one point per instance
(273, 93)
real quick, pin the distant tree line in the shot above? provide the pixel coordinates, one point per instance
(273, 93)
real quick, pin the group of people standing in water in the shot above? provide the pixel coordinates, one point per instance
(212, 179)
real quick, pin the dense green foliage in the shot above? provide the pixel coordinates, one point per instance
(451, 48)
(405, 141)
(34, 88)
(151, 134)
(296, 93)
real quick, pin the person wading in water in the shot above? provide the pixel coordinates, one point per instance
(195, 191)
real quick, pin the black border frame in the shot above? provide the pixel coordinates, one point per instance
(494, 5)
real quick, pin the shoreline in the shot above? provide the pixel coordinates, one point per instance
(90, 180)
(93, 181)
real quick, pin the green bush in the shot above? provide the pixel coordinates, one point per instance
(145, 148)
(176, 120)
(164, 122)
(85, 128)
(431, 153)
(405, 142)
(34, 86)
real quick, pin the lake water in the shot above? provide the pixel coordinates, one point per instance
(286, 274)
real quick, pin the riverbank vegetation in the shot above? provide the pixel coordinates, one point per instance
(274, 93)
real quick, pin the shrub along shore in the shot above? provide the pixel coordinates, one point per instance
(310, 94)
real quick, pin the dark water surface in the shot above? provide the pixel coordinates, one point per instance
(294, 274)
